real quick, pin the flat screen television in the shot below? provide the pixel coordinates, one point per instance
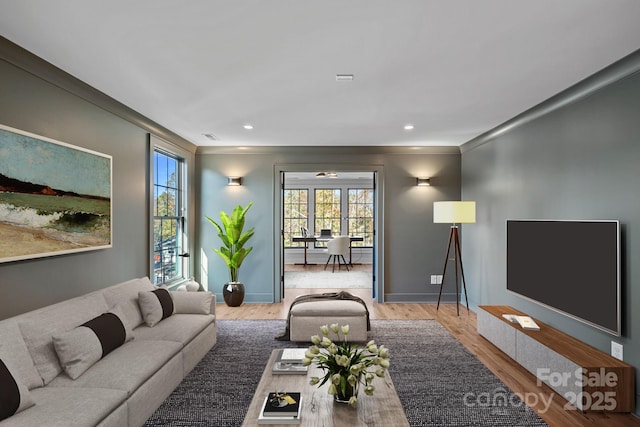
(572, 267)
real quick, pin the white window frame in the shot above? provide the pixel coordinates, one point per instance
(185, 192)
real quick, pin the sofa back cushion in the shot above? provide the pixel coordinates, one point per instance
(14, 352)
(125, 295)
(38, 328)
(192, 302)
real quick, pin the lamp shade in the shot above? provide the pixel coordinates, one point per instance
(454, 212)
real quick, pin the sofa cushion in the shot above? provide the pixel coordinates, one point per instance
(125, 368)
(14, 395)
(63, 407)
(181, 328)
(38, 328)
(192, 302)
(155, 305)
(18, 357)
(142, 403)
(125, 295)
(81, 347)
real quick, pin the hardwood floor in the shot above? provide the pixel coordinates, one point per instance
(463, 327)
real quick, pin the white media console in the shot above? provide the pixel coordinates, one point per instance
(588, 378)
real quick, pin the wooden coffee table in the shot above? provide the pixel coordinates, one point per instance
(318, 408)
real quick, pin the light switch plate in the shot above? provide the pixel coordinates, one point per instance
(616, 350)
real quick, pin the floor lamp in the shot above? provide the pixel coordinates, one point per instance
(455, 212)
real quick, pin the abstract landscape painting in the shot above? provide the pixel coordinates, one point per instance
(55, 198)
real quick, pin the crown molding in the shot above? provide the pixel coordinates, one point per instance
(338, 150)
(619, 70)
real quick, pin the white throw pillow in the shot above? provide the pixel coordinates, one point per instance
(83, 346)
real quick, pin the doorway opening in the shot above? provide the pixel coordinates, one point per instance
(315, 207)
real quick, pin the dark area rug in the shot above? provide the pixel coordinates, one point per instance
(438, 381)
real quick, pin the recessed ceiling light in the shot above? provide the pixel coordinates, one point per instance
(408, 127)
(247, 126)
(344, 77)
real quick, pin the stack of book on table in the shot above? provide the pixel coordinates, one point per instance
(281, 408)
(289, 361)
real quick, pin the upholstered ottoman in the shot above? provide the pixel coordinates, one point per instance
(306, 318)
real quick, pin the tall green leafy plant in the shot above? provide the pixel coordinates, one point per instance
(233, 251)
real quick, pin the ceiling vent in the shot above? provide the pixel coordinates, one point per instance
(344, 77)
(210, 136)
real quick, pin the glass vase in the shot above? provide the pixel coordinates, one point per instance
(349, 391)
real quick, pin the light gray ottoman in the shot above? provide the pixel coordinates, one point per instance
(307, 317)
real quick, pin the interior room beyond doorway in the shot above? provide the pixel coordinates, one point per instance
(321, 205)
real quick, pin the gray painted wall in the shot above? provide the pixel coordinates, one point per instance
(579, 161)
(414, 247)
(38, 98)
(32, 104)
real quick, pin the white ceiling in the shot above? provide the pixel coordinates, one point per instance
(452, 68)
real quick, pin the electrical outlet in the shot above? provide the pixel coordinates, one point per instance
(616, 350)
(436, 279)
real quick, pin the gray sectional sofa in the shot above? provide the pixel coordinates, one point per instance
(124, 387)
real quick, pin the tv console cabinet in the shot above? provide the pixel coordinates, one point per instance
(588, 378)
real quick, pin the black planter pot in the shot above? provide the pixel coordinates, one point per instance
(233, 293)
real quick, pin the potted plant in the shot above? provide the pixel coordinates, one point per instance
(233, 251)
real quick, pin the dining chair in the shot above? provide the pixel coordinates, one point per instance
(337, 248)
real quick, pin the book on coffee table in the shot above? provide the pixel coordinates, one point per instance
(288, 366)
(281, 409)
(292, 355)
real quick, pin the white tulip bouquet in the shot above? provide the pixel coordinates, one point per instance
(346, 365)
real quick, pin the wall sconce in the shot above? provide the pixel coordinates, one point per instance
(423, 182)
(234, 180)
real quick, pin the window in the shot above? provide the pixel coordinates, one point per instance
(296, 215)
(328, 212)
(168, 217)
(361, 215)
